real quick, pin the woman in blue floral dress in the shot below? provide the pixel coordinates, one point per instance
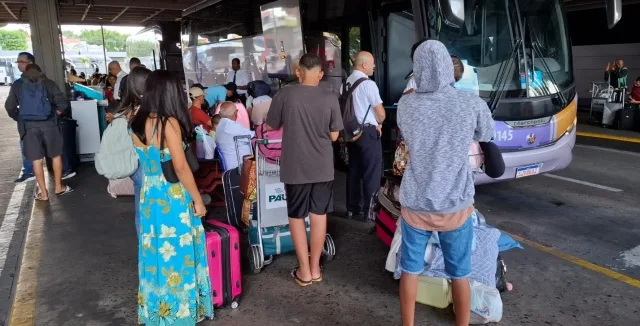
(175, 289)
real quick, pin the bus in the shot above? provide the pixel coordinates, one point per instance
(517, 57)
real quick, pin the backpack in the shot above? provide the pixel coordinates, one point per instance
(117, 157)
(258, 88)
(34, 103)
(352, 127)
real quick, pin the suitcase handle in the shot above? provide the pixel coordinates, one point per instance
(236, 139)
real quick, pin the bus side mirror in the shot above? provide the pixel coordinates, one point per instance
(614, 12)
(453, 12)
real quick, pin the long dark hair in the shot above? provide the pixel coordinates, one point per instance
(164, 98)
(135, 89)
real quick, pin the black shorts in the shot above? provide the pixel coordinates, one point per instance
(315, 198)
(41, 142)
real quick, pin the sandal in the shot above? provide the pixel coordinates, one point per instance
(300, 281)
(66, 190)
(38, 197)
(316, 280)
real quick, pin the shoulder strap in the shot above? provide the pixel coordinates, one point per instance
(354, 86)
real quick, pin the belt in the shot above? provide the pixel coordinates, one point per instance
(369, 125)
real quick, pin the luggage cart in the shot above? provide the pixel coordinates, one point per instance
(270, 209)
(601, 93)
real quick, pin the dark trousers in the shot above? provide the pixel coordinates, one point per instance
(365, 169)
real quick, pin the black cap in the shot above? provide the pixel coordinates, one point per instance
(199, 86)
(231, 86)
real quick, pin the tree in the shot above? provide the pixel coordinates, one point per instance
(69, 34)
(113, 41)
(140, 49)
(13, 40)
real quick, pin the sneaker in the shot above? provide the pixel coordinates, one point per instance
(68, 175)
(25, 177)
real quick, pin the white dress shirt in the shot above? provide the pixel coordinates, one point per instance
(410, 85)
(227, 129)
(116, 88)
(367, 94)
(242, 79)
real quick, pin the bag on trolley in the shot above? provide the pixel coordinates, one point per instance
(276, 240)
(223, 254)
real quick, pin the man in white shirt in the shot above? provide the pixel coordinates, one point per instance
(365, 154)
(240, 78)
(227, 129)
(116, 70)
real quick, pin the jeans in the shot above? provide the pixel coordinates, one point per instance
(137, 178)
(27, 166)
(456, 248)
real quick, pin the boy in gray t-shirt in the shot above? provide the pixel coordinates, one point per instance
(311, 118)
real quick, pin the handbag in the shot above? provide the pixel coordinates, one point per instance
(167, 166)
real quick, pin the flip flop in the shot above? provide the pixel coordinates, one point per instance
(316, 280)
(66, 190)
(38, 197)
(300, 281)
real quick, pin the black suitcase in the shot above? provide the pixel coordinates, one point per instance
(70, 158)
(626, 118)
(233, 197)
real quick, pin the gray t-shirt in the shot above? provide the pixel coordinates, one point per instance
(308, 115)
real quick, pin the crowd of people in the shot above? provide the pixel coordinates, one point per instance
(436, 194)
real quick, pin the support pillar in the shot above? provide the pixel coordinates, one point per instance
(45, 39)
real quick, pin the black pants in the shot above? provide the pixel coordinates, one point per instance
(365, 169)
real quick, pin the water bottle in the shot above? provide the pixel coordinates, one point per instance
(73, 94)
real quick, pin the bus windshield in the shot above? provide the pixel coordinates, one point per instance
(485, 45)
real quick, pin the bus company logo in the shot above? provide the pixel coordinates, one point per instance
(278, 195)
(531, 138)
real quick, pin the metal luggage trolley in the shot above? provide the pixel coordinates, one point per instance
(601, 94)
(270, 208)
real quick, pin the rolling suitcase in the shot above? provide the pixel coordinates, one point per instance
(223, 254)
(233, 197)
(626, 118)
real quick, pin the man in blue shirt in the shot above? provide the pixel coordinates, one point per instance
(218, 94)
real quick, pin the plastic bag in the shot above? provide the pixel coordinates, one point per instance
(205, 145)
(486, 304)
(200, 132)
(209, 146)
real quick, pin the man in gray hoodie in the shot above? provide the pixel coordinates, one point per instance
(438, 123)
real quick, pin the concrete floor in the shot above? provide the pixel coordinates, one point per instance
(86, 270)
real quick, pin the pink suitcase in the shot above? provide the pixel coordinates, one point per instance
(120, 187)
(223, 247)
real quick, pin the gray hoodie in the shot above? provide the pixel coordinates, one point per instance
(439, 123)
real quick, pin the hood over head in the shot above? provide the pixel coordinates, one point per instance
(432, 67)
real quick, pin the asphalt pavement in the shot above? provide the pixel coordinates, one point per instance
(580, 265)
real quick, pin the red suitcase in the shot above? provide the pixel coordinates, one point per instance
(385, 226)
(223, 247)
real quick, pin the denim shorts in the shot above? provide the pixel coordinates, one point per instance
(456, 249)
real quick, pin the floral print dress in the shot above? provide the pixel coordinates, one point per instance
(175, 289)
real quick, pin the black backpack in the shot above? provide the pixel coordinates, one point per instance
(352, 127)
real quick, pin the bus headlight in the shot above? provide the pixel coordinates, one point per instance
(571, 126)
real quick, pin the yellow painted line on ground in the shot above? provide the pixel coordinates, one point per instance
(582, 263)
(23, 310)
(609, 137)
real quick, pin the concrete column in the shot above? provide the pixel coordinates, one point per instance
(45, 39)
